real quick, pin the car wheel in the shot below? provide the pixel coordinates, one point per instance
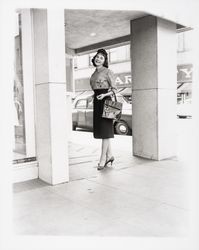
(74, 127)
(121, 128)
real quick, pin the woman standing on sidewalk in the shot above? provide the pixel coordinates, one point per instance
(103, 84)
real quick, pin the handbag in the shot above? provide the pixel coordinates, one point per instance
(112, 109)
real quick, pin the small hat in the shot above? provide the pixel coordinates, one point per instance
(103, 52)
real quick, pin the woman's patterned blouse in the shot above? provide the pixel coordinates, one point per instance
(103, 79)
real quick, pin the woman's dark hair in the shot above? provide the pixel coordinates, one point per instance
(104, 53)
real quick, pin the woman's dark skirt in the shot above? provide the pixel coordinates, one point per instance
(102, 127)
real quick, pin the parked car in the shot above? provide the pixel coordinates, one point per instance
(82, 115)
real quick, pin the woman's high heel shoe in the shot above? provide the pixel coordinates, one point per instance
(101, 167)
(110, 160)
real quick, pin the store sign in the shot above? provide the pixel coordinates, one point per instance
(123, 79)
(184, 73)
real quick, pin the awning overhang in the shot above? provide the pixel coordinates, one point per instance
(89, 29)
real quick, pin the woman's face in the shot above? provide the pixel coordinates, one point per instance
(99, 60)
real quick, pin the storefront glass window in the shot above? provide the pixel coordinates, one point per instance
(19, 119)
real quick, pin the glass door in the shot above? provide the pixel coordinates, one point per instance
(24, 141)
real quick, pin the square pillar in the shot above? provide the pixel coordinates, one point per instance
(28, 82)
(50, 92)
(154, 78)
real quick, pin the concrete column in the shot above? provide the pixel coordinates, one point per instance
(154, 78)
(28, 81)
(51, 105)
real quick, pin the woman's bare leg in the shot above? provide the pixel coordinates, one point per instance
(109, 151)
(105, 144)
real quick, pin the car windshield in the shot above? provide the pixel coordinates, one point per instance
(121, 99)
(81, 104)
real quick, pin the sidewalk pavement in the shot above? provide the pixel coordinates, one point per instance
(134, 197)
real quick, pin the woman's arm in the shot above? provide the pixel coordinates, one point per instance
(100, 97)
(112, 89)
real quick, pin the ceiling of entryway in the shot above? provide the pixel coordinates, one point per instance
(85, 28)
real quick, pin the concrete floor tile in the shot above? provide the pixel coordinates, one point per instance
(35, 201)
(159, 175)
(123, 161)
(52, 210)
(83, 171)
(125, 182)
(45, 212)
(165, 221)
(110, 202)
(135, 197)
(157, 189)
(62, 219)
(28, 185)
(173, 196)
(119, 229)
(169, 164)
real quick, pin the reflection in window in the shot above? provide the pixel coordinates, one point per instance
(19, 121)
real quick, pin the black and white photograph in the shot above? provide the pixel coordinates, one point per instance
(99, 101)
